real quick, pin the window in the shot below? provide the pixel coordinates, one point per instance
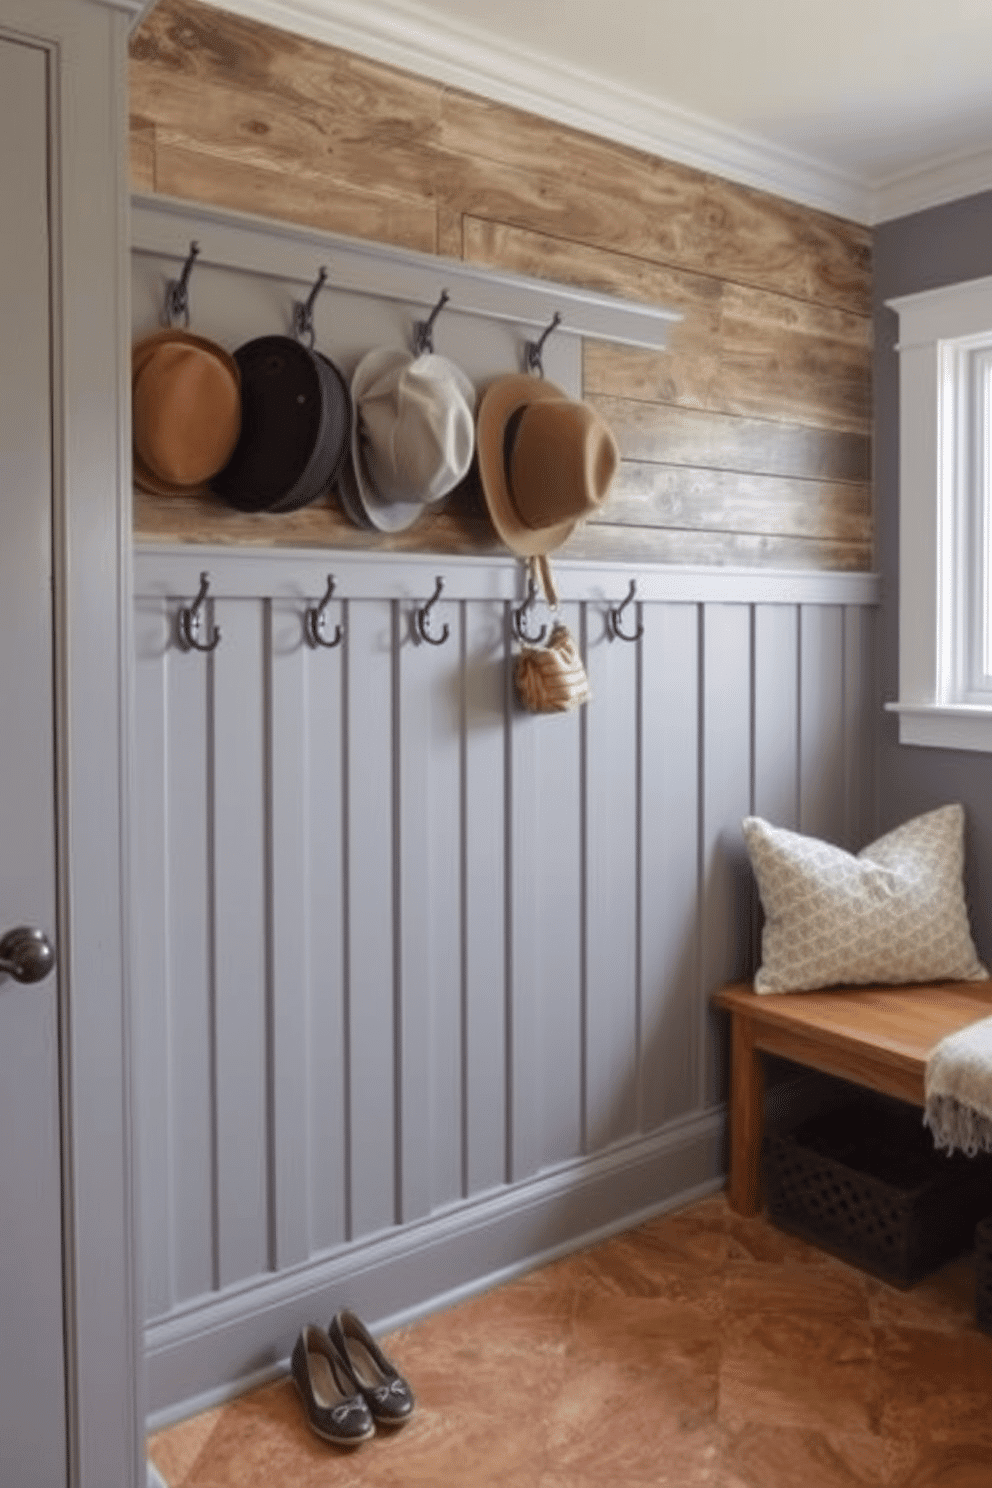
(945, 517)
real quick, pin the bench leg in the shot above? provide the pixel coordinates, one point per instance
(747, 1118)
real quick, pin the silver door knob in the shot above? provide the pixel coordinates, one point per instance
(26, 954)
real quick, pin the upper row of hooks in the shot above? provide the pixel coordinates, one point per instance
(177, 306)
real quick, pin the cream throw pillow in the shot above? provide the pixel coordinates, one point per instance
(894, 913)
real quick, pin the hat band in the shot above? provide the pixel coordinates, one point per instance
(509, 440)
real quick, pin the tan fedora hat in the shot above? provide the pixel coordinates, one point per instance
(186, 411)
(546, 461)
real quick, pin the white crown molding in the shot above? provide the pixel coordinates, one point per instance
(404, 35)
(933, 185)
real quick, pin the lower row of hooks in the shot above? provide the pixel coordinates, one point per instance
(190, 617)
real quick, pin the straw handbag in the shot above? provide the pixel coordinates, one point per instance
(551, 678)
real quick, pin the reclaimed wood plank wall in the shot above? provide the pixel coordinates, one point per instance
(748, 442)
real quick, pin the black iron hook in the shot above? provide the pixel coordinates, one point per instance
(423, 330)
(177, 290)
(313, 621)
(189, 622)
(616, 613)
(303, 311)
(520, 614)
(534, 359)
(424, 616)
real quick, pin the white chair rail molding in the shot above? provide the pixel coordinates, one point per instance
(945, 517)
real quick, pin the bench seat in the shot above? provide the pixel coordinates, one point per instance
(876, 1037)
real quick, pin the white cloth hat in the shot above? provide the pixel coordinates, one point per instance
(413, 434)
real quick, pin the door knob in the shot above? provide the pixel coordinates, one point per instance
(26, 954)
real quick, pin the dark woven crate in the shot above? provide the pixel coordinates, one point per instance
(865, 1183)
(983, 1275)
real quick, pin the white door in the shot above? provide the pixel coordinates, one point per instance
(32, 1347)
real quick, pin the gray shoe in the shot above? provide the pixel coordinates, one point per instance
(334, 1409)
(386, 1392)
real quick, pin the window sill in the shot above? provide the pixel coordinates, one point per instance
(945, 725)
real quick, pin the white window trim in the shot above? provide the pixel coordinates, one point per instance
(933, 708)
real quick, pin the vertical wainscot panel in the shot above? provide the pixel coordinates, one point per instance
(776, 714)
(727, 907)
(486, 704)
(610, 813)
(152, 966)
(288, 785)
(669, 843)
(861, 707)
(307, 1057)
(239, 852)
(822, 804)
(546, 933)
(372, 895)
(190, 929)
(326, 1061)
(428, 762)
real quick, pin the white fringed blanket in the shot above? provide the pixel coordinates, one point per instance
(958, 1090)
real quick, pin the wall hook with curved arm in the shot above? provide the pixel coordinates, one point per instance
(177, 290)
(313, 622)
(303, 311)
(534, 350)
(520, 616)
(424, 619)
(423, 330)
(615, 617)
(189, 622)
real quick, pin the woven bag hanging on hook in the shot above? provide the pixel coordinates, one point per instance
(551, 678)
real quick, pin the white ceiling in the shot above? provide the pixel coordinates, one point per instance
(869, 108)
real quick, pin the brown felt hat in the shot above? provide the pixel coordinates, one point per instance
(186, 412)
(546, 462)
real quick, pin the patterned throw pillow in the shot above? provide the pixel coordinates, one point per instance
(894, 913)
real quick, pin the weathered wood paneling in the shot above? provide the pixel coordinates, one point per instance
(301, 197)
(142, 154)
(514, 167)
(768, 375)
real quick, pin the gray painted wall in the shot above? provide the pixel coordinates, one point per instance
(425, 979)
(945, 245)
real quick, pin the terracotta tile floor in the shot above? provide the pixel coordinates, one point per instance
(699, 1349)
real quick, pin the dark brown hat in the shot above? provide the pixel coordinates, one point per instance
(546, 462)
(295, 426)
(186, 411)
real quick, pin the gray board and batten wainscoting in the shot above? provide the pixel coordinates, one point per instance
(422, 981)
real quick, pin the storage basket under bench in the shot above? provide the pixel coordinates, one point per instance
(865, 1181)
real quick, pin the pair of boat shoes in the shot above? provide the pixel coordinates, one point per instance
(347, 1385)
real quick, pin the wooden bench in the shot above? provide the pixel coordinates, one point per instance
(877, 1037)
